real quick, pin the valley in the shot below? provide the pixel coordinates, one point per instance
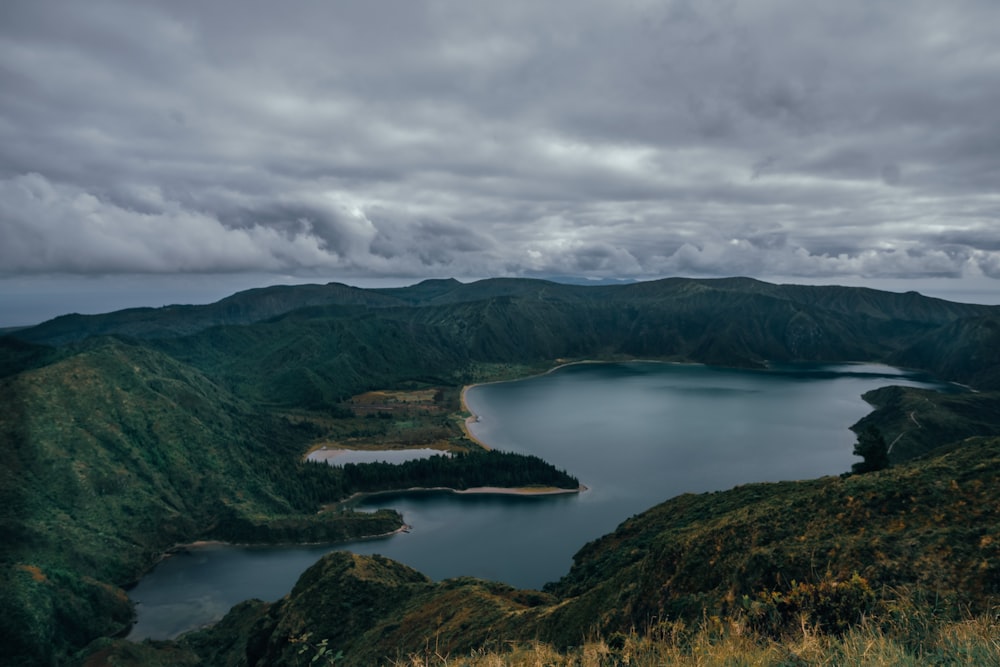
(131, 432)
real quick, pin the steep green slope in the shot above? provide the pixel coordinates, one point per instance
(833, 549)
(318, 357)
(17, 355)
(967, 350)
(257, 305)
(878, 304)
(110, 456)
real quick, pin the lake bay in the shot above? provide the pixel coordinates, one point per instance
(634, 433)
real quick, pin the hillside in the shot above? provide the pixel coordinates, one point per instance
(317, 356)
(128, 432)
(113, 454)
(260, 304)
(915, 422)
(244, 307)
(966, 349)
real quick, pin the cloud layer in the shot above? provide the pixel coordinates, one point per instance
(418, 139)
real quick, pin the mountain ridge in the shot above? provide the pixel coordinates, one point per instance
(258, 304)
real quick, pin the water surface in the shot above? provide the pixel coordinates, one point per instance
(635, 433)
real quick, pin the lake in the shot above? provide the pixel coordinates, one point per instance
(634, 433)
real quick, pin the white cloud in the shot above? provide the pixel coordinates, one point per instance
(425, 138)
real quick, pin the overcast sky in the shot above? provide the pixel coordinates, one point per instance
(177, 151)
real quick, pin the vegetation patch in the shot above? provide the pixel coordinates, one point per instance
(405, 402)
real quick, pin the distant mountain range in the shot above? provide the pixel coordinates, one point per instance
(127, 432)
(435, 327)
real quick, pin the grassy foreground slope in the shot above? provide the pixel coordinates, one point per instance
(931, 525)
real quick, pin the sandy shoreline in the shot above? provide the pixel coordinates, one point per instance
(473, 417)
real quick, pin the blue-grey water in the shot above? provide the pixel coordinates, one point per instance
(635, 434)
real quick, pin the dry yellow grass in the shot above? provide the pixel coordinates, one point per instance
(974, 642)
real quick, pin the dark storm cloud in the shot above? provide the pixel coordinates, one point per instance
(469, 139)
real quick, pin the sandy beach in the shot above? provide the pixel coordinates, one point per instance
(483, 490)
(471, 419)
(522, 491)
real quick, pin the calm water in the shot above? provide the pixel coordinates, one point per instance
(634, 433)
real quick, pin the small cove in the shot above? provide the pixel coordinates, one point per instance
(635, 433)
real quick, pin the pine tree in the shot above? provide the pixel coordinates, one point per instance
(872, 448)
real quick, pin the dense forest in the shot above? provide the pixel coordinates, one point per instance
(461, 471)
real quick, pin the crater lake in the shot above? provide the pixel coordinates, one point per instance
(634, 433)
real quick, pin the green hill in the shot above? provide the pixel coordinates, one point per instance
(967, 350)
(917, 421)
(112, 455)
(317, 355)
(128, 432)
(242, 308)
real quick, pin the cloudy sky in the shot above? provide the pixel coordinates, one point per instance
(177, 151)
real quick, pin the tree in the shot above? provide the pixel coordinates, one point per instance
(872, 448)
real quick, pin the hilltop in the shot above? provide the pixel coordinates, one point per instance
(128, 432)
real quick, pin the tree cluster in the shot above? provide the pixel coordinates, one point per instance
(461, 471)
(872, 448)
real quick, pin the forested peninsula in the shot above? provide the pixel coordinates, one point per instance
(127, 433)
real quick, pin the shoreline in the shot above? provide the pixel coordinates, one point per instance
(473, 417)
(404, 528)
